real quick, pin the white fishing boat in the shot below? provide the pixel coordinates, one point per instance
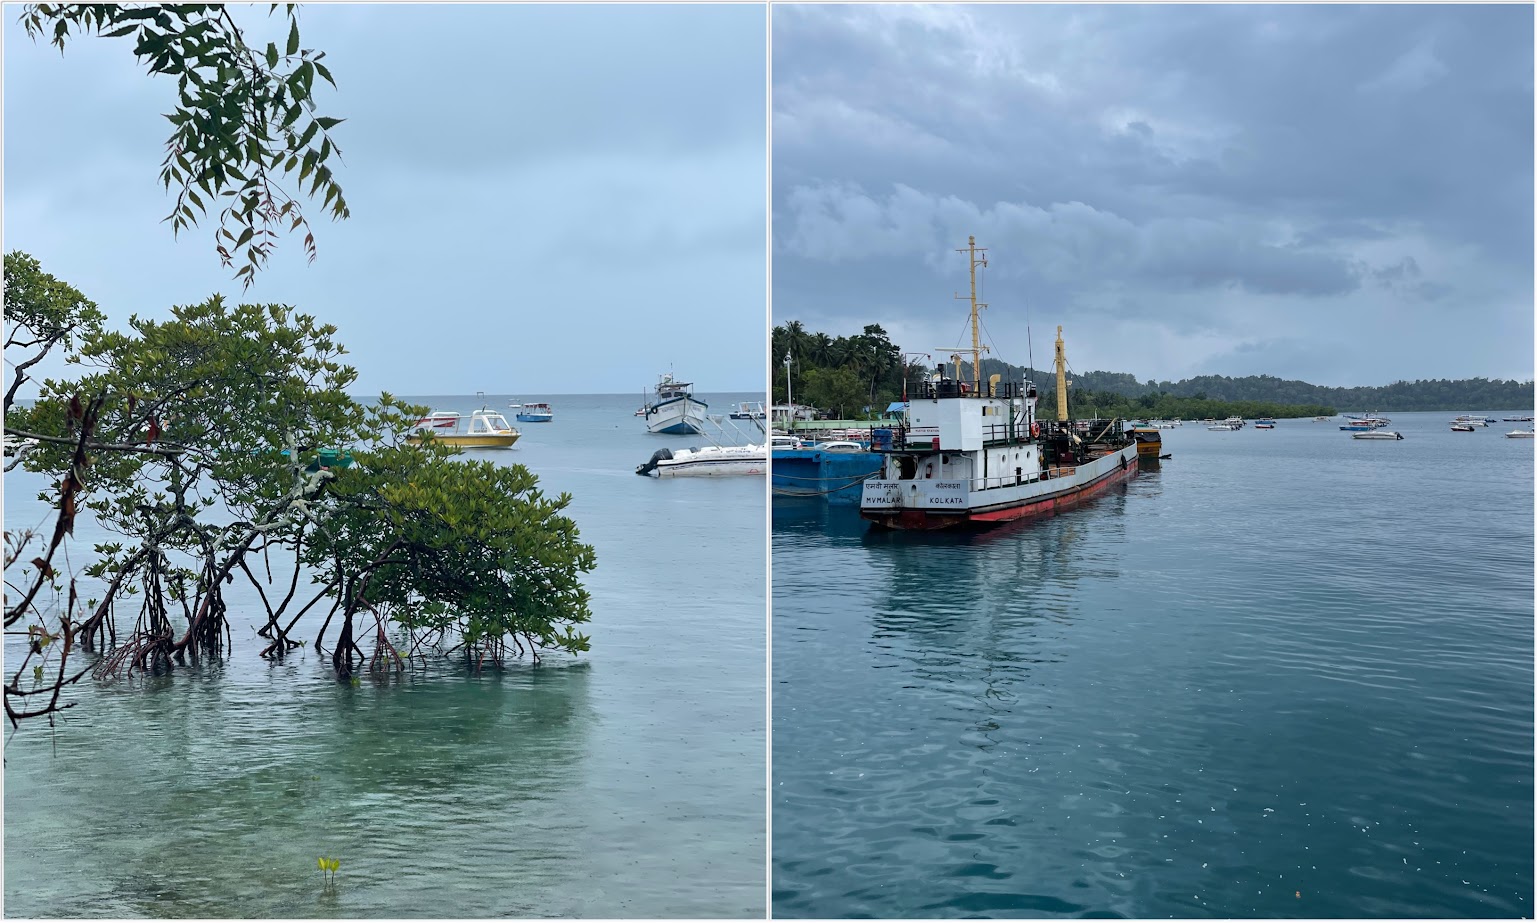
(1463, 427)
(1385, 434)
(673, 409)
(1520, 434)
(710, 461)
(1470, 420)
(974, 453)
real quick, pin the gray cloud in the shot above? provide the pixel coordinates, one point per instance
(1222, 174)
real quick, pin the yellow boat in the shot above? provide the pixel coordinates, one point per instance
(487, 429)
(1149, 440)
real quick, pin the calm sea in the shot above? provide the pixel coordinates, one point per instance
(1288, 674)
(627, 782)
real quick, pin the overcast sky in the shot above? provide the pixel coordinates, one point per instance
(1340, 194)
(544, 199)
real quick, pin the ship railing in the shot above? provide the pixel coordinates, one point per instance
(950, 387)
(991, 483)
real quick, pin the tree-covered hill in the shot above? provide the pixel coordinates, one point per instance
(1437, 394)
(838, 372)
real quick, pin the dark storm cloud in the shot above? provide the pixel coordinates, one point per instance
(1236, 175)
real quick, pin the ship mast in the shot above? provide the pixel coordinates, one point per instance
(1062, 378)
(975, 261)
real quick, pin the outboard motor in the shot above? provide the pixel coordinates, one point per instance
(651, 465)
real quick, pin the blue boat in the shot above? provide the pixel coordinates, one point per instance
(834, 473)
(534, 413)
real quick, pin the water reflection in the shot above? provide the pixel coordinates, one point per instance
(802, 517)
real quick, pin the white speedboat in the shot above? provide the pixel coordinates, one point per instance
(710, 461)
(673, 409)
(1386, 434)
(1520, 434)
(1470, 420)
(1463, 427)
(748, 410)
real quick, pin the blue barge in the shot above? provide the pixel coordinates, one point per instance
(833, 475)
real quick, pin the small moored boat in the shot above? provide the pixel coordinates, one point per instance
(1463, 427)
(1385, 434)
(710, 461)
(537, 412)
(1149, 441)
(486, 429)
(325, 458)
(1520, 434)
(674, 410)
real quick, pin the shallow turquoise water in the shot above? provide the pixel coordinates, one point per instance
(1288, 674)
(628, 782)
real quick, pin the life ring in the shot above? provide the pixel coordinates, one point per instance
(929, 470)
(1035, 430)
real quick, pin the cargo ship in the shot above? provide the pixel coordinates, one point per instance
(975, 454)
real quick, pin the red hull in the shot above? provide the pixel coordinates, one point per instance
(1046, 506)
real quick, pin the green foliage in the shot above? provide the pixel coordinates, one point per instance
(188, 416)
(245, 119)
(450, 545)
(41, 314)
(1193, 398)
(1440, 394)
(211, 395)
(1082, 404)
(186, 425)
(874, 361)
(328, 868)
(839, 390)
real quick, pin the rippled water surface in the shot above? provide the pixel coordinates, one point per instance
(1288, 674)
(628, 782)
